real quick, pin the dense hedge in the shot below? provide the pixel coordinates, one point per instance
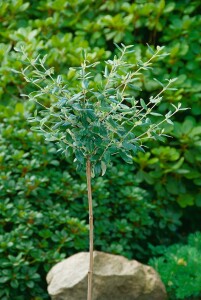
(179, 266)
(36, 228)
(43, 200)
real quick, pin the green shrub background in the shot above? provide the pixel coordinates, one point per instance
(43, 202)
(179, 267)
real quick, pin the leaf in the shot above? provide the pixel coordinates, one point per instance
(169, 7)
(178, 164)
(161, 6)
(89, 145)
(113, 149)
(140, 148)
(185, 200)
(103, 168)
(129, 146)
(51, 139)
(106, 156)
(168, 114)
(14, 283)
(121, 132)
(15, 71)
(77, 106)
(76, 96)
(127, 158)
(58, 124)
(134, 87)
(143, 104)
(84, 54)
(49, 71)
(111, 91)
(118, 47)
(61, 102)
(55, 90)
(80, 156)
(85, 84)
(112, 98)
(90, 113)
(169, 122)
(24, 95)
(171, 89)
(4, 279)
(160, 83)
(99, 96)
(106, 72)
(59, 79)
(112, 122)
(173, 80)
(97, 168)
(147, 121)
(155, 114)
(150, 49)
(30, 284)
(18, 49)
(155, 99)
(105, 108)
(188, 125)
(19, 108)
(43, 60)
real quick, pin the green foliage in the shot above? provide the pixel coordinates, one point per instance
(174, 170)
(44, 209)
(36, 228)
(179, 268)
(170, 172)
(99, 116)
(63, 28)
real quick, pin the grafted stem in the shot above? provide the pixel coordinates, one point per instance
(91, 238)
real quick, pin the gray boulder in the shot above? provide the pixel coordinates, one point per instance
(115, 278)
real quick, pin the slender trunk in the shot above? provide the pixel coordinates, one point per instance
(91, 242)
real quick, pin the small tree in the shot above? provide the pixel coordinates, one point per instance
(94, 120)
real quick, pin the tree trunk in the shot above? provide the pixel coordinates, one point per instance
(91, 242)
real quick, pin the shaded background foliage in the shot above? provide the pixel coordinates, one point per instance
(43, 200)
(179, 268)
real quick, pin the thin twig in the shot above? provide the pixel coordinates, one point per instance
(91, 242)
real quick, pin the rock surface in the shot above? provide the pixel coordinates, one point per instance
(115, 278)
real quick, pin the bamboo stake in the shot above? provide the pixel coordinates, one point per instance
(91, 242)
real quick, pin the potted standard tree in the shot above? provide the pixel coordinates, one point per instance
(94, 120)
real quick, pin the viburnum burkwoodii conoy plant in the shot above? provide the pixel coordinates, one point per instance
(96, 120)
